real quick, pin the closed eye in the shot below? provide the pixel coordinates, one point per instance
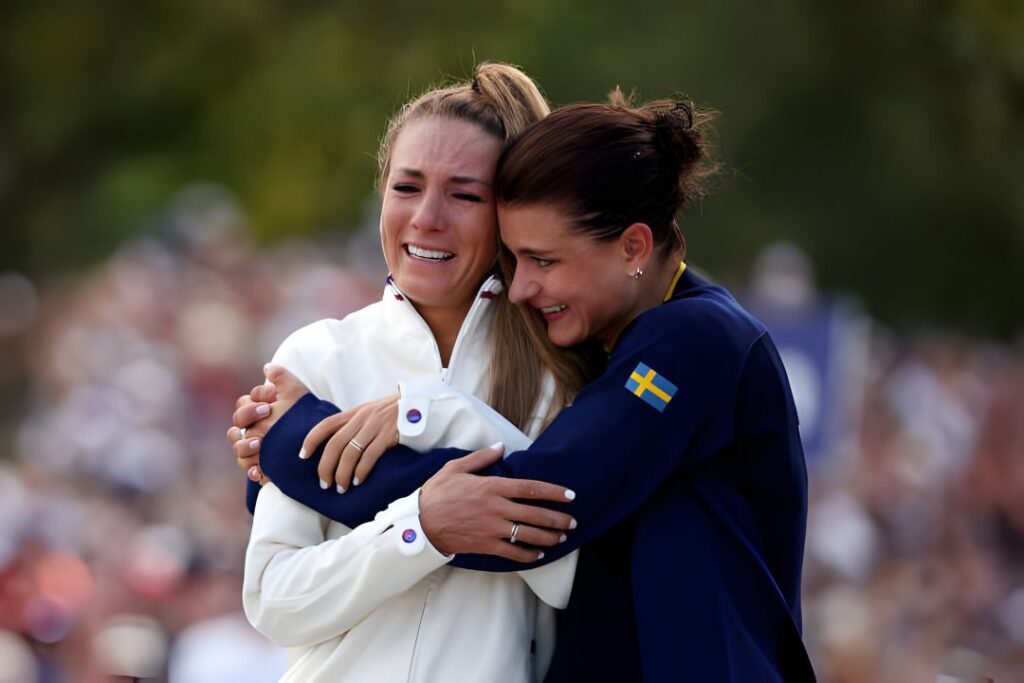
(404, 188)
(468, 197)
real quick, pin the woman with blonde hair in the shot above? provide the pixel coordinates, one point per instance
(375, 601)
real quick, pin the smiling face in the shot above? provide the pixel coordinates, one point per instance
(438, 226)
(580, 285)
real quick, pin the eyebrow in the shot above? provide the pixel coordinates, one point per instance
(460, 179)
(534, 253)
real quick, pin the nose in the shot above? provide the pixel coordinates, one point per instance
(523, 287)
(429, 214)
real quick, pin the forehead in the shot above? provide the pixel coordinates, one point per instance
(446, 146)
(539, 228)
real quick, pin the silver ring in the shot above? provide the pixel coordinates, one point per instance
(356, 445)
(242, 430)
(515, 530)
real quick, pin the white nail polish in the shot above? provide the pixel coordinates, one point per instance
(573, 523)
(323, 484)
(497, 445)
(255, 443)
(570, 494)
(355, 481)
(340, 490)
(302, 454)
(540, 556)
(562, 538)
(263, 410)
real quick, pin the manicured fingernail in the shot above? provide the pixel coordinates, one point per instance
(497, 445)
(263, 410)
(303, 454)
(340, 490)
(573, 523)
(562, 538)
(355, 481)
(254, 473)
(570, 494)
(255, 443)
(323, 484)
(266, 368)
(540, 556)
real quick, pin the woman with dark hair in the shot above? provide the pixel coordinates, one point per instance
(684, 456)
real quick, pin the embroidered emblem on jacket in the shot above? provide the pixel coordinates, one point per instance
(650, 387)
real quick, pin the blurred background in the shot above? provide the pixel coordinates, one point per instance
(184, 183)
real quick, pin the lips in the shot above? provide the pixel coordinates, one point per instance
(430, 255)
(551, 313)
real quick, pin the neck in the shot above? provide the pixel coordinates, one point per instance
(445, 323)
(657, 279)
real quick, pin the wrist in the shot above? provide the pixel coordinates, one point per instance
(428, 526)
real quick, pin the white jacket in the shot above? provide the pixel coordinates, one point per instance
(360, 604)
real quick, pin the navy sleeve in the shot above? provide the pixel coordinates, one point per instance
(298, 478)
(252, 492)
(620, 441)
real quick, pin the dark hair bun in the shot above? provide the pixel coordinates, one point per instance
(614, 164)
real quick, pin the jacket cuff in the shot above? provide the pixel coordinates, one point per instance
(404, 517)
(413, 411)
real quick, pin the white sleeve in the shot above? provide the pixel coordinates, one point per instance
(434, 415)
(300, 587)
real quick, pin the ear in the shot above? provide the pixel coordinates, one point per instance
(636, 243)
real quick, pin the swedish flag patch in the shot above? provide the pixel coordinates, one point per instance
(650, 387)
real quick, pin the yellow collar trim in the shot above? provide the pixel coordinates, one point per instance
(675, 281)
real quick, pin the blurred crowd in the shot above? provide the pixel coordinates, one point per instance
(122, 517)
(123, 526)
(915, 549)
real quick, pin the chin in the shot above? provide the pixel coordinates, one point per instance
(563, 338)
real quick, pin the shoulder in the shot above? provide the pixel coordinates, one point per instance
(706, 319)
(309, 341)
(323, 335)
(304, 351)
(703, 338)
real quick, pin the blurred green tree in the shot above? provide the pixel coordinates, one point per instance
(885, 138)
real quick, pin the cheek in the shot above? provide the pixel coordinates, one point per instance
(387, 223)
(481, 236)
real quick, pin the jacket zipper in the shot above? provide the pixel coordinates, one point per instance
(445, 372)
(467, 324)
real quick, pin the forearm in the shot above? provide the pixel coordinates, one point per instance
(397, 474)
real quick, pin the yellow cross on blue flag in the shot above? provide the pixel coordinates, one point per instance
(651, 387)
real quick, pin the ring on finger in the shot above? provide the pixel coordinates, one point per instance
(241, 430)
(356, 445)
(515, 532)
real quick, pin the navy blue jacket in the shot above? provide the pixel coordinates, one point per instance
(691, 497)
